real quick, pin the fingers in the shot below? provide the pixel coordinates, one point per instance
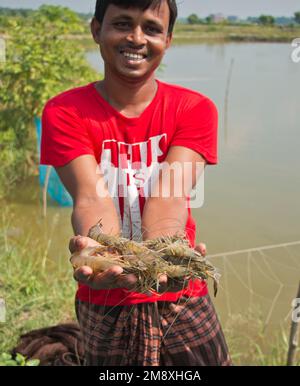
(109, 279)
(80, 242)
(201, 247)
(127, 281)
(163, 280)
(83, 274)
(77, 243)
(115, 278)
(171, 285)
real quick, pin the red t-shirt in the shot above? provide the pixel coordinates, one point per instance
(81, 121)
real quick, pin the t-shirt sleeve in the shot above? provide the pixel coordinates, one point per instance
(64, 136)
(197, 129)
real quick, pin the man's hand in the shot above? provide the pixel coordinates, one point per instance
(114, 277)
(109, 279)
(201, 247)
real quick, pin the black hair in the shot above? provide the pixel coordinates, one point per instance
(101, 7)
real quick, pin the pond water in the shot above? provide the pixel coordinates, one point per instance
(251, 197)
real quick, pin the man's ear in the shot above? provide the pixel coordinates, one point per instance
(169, 40)
(95, 30)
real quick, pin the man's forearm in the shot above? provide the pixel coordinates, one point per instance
(85, 215)
(164, 217)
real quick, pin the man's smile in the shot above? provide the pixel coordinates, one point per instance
(132, 59)
(133, 56)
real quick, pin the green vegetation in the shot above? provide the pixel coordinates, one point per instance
(266, 20)
(39, 64)
(216, 32)
(193, 19)
(20, 360)
(27, 15)
(265, 28)
(250, 343)
(15, 12)
(233, 20)
(38, 291)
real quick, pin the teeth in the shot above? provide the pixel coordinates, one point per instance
(133, 56)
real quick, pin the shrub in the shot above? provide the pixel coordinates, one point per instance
(40, 63)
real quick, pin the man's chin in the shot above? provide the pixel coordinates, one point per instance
(135, 76)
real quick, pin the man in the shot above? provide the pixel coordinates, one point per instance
(107, 141)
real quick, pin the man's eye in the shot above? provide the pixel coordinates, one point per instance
(153, 30)
(121, 24)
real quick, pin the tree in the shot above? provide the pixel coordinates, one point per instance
(209, 19)
(297, 17)
(193, 19)
(40, 63)
(266, 20)
(13, 12)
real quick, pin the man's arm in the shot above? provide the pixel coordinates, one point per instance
(91, 198)
(167, 216)
(92, 203)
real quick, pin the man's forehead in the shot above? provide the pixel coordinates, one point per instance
(159, 11)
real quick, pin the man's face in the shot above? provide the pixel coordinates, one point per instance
(133, 42)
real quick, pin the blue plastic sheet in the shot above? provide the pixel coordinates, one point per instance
(55, 189)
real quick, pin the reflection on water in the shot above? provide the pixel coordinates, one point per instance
(251, 197)
(23, 216)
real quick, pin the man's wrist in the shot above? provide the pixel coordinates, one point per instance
(163, 217)
(84, 218)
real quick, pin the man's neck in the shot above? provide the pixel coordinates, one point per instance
(129, 98)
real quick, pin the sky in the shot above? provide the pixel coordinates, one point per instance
(203, 8)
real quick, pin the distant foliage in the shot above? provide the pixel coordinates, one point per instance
(209, 19)
(266, 20)
(40, 63)
(297, 17)
(11, 12)
(193, 19)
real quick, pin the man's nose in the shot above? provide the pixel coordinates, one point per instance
(137, 36)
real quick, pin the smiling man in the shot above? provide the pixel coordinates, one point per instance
(107, 141)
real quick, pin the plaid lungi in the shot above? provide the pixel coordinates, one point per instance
(184, 333)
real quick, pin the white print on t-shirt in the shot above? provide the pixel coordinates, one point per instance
(127, 175)
(132, 170)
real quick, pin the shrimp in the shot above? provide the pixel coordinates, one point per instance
(123, 245)
(96, 258)
(148, 260)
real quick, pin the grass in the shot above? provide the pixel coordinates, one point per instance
(246, 33)
(250, 343)
(38, 292)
